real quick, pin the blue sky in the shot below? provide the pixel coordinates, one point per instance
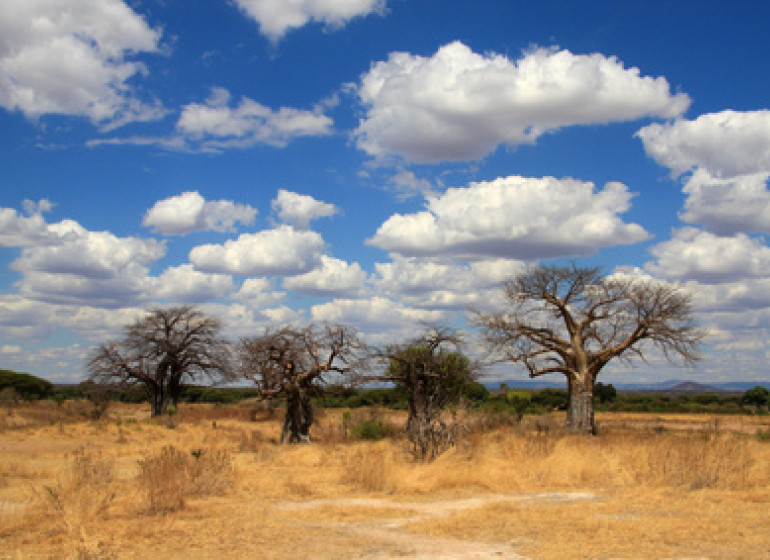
(381, 163)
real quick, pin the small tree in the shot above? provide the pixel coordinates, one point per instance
(605, 392)
(434, 374)
(519, 401)
(167, 346)
(758, 396)
(294, 362)
(572, 320)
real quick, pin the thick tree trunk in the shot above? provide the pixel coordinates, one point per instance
(159, 402)
(298, 419)
(580, 414)
(427, 432)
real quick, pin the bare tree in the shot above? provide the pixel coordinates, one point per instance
(433, 373)
(161, 350)
(293, 362)
(573, 320)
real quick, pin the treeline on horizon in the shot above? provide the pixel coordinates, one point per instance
(15, 387)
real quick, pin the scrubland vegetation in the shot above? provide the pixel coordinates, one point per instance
(213, 481)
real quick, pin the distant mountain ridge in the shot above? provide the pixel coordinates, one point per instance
(671, 386)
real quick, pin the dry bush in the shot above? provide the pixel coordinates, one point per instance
(80, 499)
(171, 477)
(369, 467)
(210, 472)
(695, 461)
(251, 441)
(164, 480)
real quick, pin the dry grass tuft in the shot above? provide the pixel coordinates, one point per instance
(171, 477)
(370, 468)
(78, 500)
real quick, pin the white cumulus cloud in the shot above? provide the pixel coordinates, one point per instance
(71, 57)
(725, 144)
(727, 158)
(183, 284)
(444, 284)
(460, 105)
(277, 17)
(259, 293)
(216, 125)
(299, 210)
(28, 228)
(280, 251)
(95, 268)
(381, 319)
(334, 277)
(693, 254)
(189, 212)
(514, 217)
(730, 205)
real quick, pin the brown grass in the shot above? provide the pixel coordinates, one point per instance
(648, 487)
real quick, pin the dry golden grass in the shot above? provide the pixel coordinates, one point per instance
(648, 487)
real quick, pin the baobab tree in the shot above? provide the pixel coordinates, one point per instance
(161, 350)
(433, 372)
(295, 362)
(573, 320)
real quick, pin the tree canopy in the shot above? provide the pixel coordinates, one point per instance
(161, 350)
(573, 320)
(293, 362)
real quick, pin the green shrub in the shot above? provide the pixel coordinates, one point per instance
(369, 430)
(706, 398)
(519, 402)
(549, 399)
(758, 396)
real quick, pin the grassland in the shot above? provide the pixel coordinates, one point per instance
(213, 483)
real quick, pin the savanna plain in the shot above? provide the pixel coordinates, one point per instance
(212, 482)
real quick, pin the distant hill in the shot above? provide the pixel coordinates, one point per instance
(670, 386)
(25, 385)
(692, 387)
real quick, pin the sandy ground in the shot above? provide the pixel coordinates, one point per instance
(393, 541)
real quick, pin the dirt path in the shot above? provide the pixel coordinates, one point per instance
(390, 540)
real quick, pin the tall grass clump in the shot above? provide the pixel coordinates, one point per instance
(80, 499)
(369, 467)
(172, 476)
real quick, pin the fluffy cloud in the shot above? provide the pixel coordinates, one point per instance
(96, 268)
(26, 319)
(259, 292)
(69, 57)
(725, 144)
(697, 255)
(280, 251)
(459, 105)
(727, 206)
(189, 212)
(431, 284)
(183, 284)
(22, 319)
(514, 217)
(20, 230)
(243, 320)
(728, 154)
(215, 125)
(381, 318)
(299, 210)
(333, 278)
(276, 17)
